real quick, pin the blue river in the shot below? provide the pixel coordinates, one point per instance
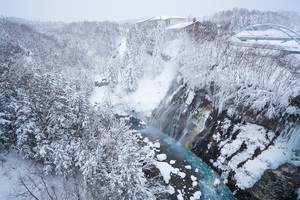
(209, 182)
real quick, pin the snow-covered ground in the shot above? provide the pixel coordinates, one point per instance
(12, 166)
(150, 92)
(16, 174)
(144, 100)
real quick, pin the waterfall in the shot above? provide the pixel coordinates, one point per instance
(198, 123)
(183, 114)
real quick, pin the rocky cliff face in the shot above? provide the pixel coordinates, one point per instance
(240, 148)
(281, 183)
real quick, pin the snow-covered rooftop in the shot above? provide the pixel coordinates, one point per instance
(180, 25)
(161, 17)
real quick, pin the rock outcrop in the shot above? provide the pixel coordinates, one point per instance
(281, 183)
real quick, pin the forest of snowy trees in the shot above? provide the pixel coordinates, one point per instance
(47, 73)
(46, 82)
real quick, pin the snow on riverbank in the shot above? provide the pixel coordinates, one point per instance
(174, 175)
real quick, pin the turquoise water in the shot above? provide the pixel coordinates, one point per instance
(205, 175)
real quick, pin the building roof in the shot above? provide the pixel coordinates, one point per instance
(161, 17)
(180, 25)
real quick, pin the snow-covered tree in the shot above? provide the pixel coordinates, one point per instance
(156, 42)
(130, 79)
(10, 57)
(113, 168)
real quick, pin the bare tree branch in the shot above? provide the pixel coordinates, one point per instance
(28, 190)
(46, 188)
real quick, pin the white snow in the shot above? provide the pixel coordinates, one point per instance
(151, 87)
(180, 25)
(294, 141)
(172, 50)
(42, 150)
(150, 144)
(195, 183)
(179, 196)
(181, 174)
(196, 195)
(190, 97)
(188, 167)
(251, 134)
(161, 157)
(170, 189)
(146, 140)
(193, 178)
(151, 90)
(217, 182)
(100, 94)
(122, 47)
(166, 170)
(11, 167)
(254, 136)
(172, 162)
(217, 137)
(4, 121)
(253, 169)
(160, 17)
(156, 145)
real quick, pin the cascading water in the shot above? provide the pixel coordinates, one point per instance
(171, 116)
(198, 122)
(183, 114)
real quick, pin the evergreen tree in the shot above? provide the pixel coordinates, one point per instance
(12, 58)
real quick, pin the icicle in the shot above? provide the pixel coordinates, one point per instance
(221, 102)
(294, 139)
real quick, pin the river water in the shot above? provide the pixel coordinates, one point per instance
(208, 181)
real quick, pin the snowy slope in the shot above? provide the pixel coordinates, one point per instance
(150, 92)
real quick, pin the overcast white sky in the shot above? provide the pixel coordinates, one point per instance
(119, 10)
